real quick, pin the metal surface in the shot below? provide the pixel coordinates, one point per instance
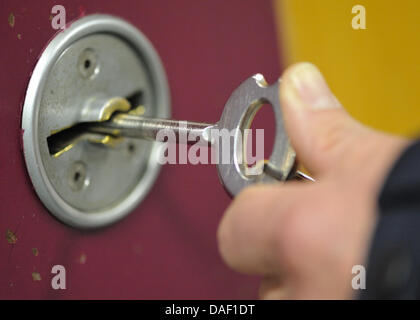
(98, 57)
(237, 116)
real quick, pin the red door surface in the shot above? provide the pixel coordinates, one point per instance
(167, 247)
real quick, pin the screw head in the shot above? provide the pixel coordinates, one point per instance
(77, 176)
(88, 64)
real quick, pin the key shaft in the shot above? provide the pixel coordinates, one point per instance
(148, 128)
(133, 126)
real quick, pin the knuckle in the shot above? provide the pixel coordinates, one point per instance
(239, 224)
(223, 240)
(291, 227)
(294, 237)
(226, 237)
(227, 247)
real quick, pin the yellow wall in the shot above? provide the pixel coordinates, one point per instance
(374, 72)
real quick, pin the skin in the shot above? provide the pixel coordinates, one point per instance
(304, 238)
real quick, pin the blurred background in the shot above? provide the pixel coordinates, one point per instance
(167, 247)
(373, 72)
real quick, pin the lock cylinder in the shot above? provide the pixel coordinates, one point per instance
(98, 66)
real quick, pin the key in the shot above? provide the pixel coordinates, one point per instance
(236, 117)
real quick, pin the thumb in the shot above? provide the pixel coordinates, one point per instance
(317, 125)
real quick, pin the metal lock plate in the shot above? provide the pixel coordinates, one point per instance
(97, 58)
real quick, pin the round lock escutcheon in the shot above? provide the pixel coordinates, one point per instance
(80, 72)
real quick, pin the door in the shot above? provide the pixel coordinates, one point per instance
(167, 247)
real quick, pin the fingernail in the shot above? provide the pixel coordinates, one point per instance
(311, 87)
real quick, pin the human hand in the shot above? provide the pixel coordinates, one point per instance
(304, 238)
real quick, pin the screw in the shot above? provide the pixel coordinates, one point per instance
(77, 176)
(131, 148)
(88, 64)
